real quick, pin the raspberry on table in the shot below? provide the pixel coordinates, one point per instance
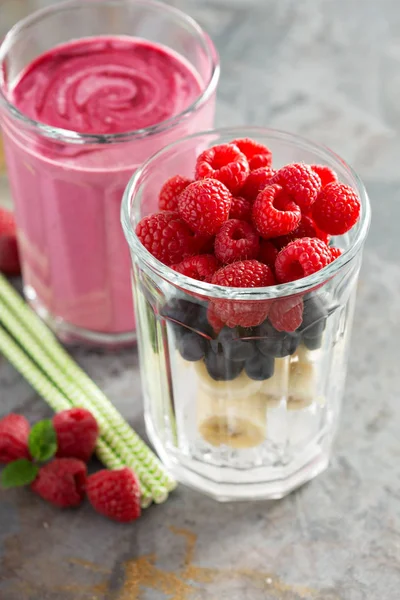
(14, 433)
(169, 193)
(286, 314)
(115, 494)
(77, 432)
(62, 482)
(274, 213)
(236, 240)
(336, 209)
(301, 182)
(201, 267)
(243, 274)
(301, 258)
(256, 182)
(268, 253)
(257, 154)
(325, 173)
(335, 253)
(166, 236)
(9, 253)
(224, 162)
(240, 209)
(204, 205)
(306, 228)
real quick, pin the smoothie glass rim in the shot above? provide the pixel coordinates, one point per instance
(73, 137)
(187, 284)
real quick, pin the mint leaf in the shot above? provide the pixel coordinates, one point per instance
(42, 441)
(18, 473)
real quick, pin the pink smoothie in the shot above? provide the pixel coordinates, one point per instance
(76, 262)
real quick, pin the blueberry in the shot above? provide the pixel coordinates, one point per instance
(191, 345)
(233, 347)
(312, 343)
(260, 367)
(184, 315)
(314, 316)
(275, 343)
(221, 369)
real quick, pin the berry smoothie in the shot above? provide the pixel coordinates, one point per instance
(76, 263)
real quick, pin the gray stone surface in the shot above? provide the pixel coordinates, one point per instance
(329, 69)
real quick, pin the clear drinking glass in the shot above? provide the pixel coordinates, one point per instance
(230, 426)
(67, 186)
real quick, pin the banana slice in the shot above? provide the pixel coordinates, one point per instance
(302, 383)
(238, 423)
(242, 387)
(276, 387)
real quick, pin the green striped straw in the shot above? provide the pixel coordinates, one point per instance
(56, 400)
(96, 397)
(78, 398)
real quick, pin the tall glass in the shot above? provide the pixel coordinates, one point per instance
(249, 412)
(68, 186)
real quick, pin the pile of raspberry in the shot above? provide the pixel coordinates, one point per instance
(241, 223)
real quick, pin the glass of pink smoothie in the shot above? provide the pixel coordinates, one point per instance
(88, 91)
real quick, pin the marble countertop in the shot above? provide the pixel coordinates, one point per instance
(330, 70)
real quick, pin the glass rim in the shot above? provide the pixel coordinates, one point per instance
(190, 285)
(73, 137)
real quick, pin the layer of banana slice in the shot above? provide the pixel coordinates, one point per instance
(294, 379)
(242, 387)
(239, 422)
(275, 389)
(302, 385)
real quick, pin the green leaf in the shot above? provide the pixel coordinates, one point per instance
(18, 473)
(43, 441)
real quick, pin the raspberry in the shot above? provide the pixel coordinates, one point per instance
(115, 494)
(245, 274)
(240, 209)
(225, 163)
(326, 174)
(62, 482)
(257, 154)
(335, 253)
(274, 213)
(300, 181)
(205, 205)
(168, 197)
(9, 255)
(301, 258)
(14, 433)
(203, 244)
(214, 319)
(268, 253)
(286, 314)
(336, 209)
(306, 228)
(201, 267)
(256, 182)
(166, 237)
(77, 432)
(260, 160)
(236, 240)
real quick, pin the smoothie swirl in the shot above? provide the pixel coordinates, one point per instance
(106, 86)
